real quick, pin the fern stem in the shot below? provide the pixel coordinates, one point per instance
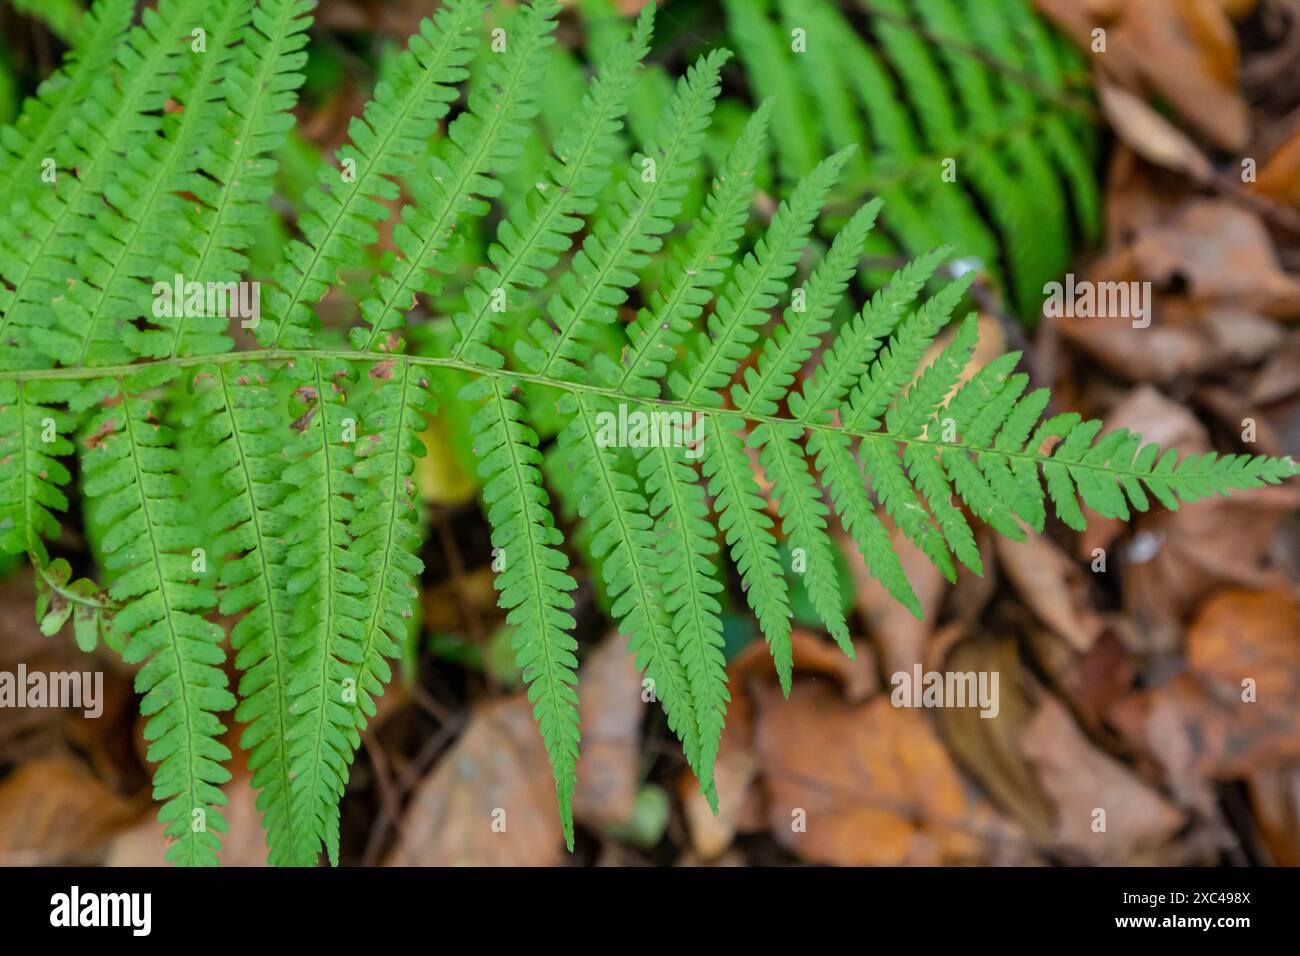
(291, 355)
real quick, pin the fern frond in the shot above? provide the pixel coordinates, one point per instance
(748, 530)
(698, 263)
(755, 287)
(286, 501)
(385, 529)
(261, 90)
(482, 140)
(328, 595)
(236, 416)
(132, 242)
(531, 241)
(33, 437)
(386, 141)
(531, 577)
(686, 546)
(129, 480)
(44, 235)
(46, 116)
(624, 544)
(620, 244)
(761, 44)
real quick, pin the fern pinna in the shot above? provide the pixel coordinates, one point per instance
(961, 105)
(271, 485)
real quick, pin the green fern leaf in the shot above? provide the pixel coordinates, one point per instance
(531, 578)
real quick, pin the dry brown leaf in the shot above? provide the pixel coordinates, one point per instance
(1081, 779)
(1089, 682)
(1053, 586)
(1223, 254)
(1238, 9)
(1177, 343)
(1249, 634)
(496, 773)
(734, 774)
(865, 784)
(989, 748)
(611, 714)
(1182, 51)
(1152, 136)
(1175, 558)
(1279, 178)
(54, 811)
(1275, 798)
(1196, 726)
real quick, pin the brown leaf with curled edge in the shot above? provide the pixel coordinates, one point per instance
(989, 748)
(1152, 136)
(1176, 343)
(867, 784)
(496, 773)
(54, 811)
(1081, 779)
(1182, 51)
(1197, 725)
(1053, 586)
(611, 713)
(1224, 255)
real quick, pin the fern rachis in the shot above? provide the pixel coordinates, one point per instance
(314, 534)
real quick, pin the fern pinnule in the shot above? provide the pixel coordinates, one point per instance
(620, 244)
(624, 543)
(697, 265)
(531, 241)
(25, 145)
(530, 577)
(287, 499)
(386, 142)
(482, 140)
(129, 479)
